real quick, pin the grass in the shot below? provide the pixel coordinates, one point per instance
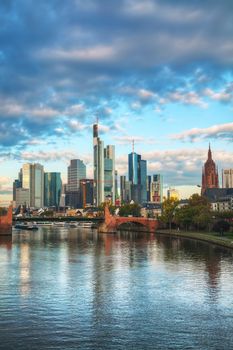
(212, 237)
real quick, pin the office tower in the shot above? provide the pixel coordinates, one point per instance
(63, 196)
(109, 173)
(76, 172)
(143, 180)
(227, 178)
(33, 180)
(22, 197)
(209, 174)
(137, 169)
(86, 193)
(157, 188)
(98, 150)
(116, 186)
(148, 188)
(123, 188)
(52, 189)
(173, 194)
(16, 184)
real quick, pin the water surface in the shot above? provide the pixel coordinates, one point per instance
(69, 289)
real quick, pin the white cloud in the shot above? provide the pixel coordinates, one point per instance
(223, 131)
(95, 53)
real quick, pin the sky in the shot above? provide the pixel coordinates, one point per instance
(158, 72)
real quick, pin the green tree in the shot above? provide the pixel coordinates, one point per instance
(169, 208)
(130, 209)
(221, 226)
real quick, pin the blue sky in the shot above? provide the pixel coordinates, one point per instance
(158, 72)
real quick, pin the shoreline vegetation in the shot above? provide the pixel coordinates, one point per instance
(225, 241)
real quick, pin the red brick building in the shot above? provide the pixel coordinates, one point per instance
(209, 174)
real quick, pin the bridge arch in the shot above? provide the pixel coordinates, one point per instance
(111, 222)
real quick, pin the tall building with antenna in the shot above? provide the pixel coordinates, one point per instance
(98, 155)
(137, 169)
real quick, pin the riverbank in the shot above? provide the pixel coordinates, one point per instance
(223, 241)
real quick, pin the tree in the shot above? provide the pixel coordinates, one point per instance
(221, 226)
(184, 216)
(169, 208)
(130, 209)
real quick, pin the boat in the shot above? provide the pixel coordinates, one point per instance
(44, 223)
(26, 226)
(73, 224)
(59, 224)
(86, 225)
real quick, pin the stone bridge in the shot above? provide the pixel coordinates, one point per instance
(112, 223)
(6, 223)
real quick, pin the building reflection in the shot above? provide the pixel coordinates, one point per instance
(24, 267)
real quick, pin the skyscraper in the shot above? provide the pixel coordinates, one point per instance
(76, 172)
(143, 180)
(86, 193)
(98, 150)
(209, 174)
(33, 179)
(109, 173)
(52, 189)
(157, 188)
(227, 178)
(137, 169)
(148, 188)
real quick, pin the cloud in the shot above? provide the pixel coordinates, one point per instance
(126, 140)
(5, 186)
(221, 131)
(84, 58)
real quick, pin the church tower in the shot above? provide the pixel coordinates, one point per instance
(209, 174)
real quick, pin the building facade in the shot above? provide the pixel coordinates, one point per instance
(33, 180)
(172, 193)
(109, 173)
(209, 174)
(157, 188)
(86, 193)
(227, 178)
(52, 189)
(137, 171)
(98, 160)
(22, 197)
(75, 172)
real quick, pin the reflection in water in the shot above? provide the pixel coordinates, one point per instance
(24, 266)
(128, 290)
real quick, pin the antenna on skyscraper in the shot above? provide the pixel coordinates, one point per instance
(133, 145)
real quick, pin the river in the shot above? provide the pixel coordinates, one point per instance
(74, 289)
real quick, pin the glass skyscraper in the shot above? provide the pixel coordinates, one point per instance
(109, 173)
(76, 172)
(52, 189)
(137, 169)
(98, 155)
(33, 179)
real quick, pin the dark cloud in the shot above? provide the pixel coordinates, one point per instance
(58, 54)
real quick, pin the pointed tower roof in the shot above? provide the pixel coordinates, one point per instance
(209, 153)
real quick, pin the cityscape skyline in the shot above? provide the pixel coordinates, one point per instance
(90, 174)
(166, 83)
(36, 188)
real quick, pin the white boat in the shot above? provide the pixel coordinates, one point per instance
(86, 225)
(59, 224)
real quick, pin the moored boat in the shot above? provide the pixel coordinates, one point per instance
(26, 226)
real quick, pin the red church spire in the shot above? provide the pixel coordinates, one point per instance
(209, 174)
